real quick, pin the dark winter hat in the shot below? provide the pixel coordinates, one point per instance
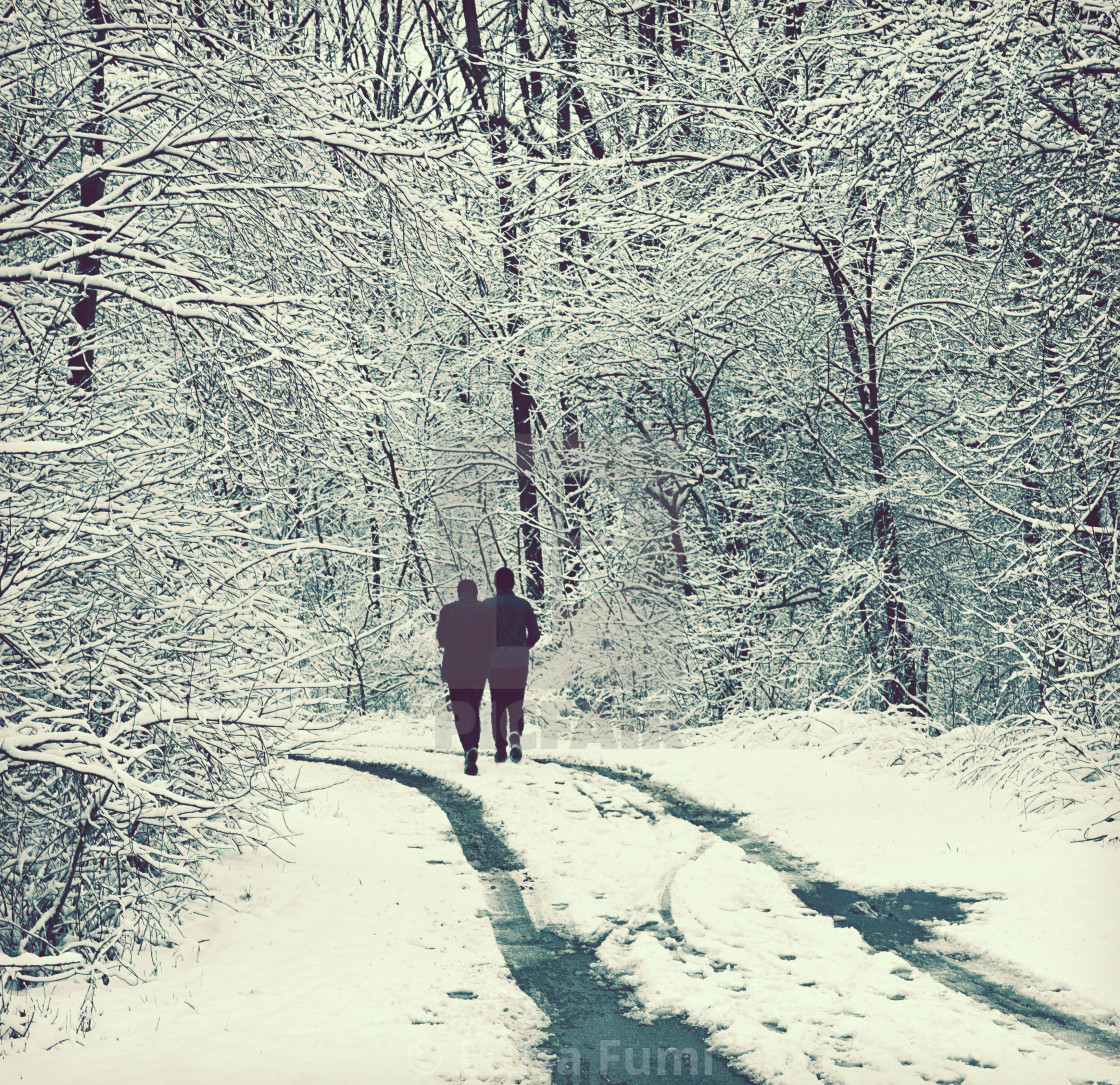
(467, 589)
(503, 579)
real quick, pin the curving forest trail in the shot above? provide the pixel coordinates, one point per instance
(552, 924)
(734, 946)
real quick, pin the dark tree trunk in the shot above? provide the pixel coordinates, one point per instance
(574, 479)
(91, 190)
(494, 128)
(407, 509)
(526, 488)
(373, 585)
(901, 680)
(967, 216)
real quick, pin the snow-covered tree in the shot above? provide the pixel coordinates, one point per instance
(187, 206)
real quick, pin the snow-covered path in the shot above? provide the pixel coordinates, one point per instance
(784, 993)
(357, 953)
(358, 960)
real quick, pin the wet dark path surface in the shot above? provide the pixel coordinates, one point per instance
(886, 921)
(593, 1041)
(890, 920)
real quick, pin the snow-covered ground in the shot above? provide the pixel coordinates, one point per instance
(816, 786)
(338, 961)
(1052, 907)
(355, 953)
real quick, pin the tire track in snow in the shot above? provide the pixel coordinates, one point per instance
(990, 983)
(772, 983)
(595, 1042)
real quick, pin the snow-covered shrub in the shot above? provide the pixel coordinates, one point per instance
(141, 647)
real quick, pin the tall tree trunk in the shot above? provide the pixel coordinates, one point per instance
(373, 584)
(966, 215)
(575, 480)
(526, 488)
(407, 509)
(901, 680)
(91, 189)
(494, 127)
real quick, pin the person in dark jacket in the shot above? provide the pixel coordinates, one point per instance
(515, 633)
(466, 633)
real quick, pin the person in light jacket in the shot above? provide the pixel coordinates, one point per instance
(516, 631)
(466, 633)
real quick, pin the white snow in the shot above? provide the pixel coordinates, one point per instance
(340, 964)
(330, 961)
(1054, 912)
(789, 996)
(33, 960)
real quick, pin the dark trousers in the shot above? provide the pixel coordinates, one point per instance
(464, 704)
(506, 703)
